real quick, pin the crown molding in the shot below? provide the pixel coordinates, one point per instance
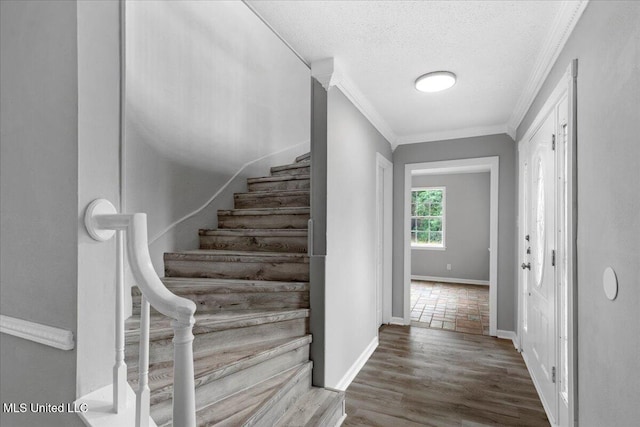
(451, 134)
(563, 25)
(329, 73)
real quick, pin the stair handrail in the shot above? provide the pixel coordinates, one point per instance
(102, 221)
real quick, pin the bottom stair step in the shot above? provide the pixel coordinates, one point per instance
(318, 407)
(260, 405)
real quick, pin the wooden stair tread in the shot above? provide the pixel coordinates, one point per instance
(266, 232)
(278, 178)
(264, 193)
(300, 168)
(296, 165)
(313, 409)
(217, 364)
(302, 210)
(205, 285)
(213, 254)
(303, 157)
(246, 407)
(160, 326)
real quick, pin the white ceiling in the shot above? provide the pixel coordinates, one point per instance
(500, 50)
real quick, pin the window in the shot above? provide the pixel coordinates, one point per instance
(427, 217)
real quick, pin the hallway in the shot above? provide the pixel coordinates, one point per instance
(419, 377)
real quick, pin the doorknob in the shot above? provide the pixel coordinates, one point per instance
(527, 265)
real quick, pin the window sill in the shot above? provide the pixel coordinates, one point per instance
(429, 248)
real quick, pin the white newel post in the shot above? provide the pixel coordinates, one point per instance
(184, 399)
(101, 221)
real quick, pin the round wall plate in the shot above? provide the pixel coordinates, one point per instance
(99, 207)
(610, 283)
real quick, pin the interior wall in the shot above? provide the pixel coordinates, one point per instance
(209, 88)
(606, 42)
(38, 201)
(467, 199)
(465, 148)
(352, 144)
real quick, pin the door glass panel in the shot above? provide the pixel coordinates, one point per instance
(540, 225)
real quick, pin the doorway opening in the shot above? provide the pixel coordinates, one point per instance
(462, 166)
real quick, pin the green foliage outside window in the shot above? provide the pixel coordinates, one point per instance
(427, 215)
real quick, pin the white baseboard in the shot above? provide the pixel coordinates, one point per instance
(508, 335)
(450, 280)
(357, 365)
(397, 321)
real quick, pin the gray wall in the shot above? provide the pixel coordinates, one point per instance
(606, 42)
(98, 177)
(352, 143)
(466, 228)
(209, 89)
(38, 200)
(483, 146)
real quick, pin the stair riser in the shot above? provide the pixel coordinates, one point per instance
(269, 416)
(284, 221)
(249, 201)
(303, 170)
(296, 244)
(209, 303)
(335, 414)
(297, 184)
(162, 350)
(279, 271)
(208, 392)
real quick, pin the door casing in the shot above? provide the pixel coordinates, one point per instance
(479, 164)
(384, 224)
(566, 202)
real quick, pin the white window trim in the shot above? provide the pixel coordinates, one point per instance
(443, 246)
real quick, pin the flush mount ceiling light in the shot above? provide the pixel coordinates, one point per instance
(436, 81)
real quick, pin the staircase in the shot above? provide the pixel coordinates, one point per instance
(249, 280)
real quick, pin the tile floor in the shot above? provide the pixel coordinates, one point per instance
(450, 306)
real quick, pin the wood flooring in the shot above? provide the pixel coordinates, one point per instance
(429, 377)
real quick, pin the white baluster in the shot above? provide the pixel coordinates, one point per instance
(184, 399)
(142, 398)
(120, 367)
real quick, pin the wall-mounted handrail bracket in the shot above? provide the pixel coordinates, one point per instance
(96, 209)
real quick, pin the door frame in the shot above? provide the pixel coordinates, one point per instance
(478, 164)
(565, 88)
(384, 230)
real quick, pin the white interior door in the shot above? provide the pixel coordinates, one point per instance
(539, 343)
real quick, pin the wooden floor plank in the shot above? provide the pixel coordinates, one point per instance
(432, 377)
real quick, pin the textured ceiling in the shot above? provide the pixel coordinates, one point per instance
(383, 46)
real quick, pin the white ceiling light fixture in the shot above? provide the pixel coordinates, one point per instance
(435, 81)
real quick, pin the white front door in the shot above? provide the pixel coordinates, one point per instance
(538, 341)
